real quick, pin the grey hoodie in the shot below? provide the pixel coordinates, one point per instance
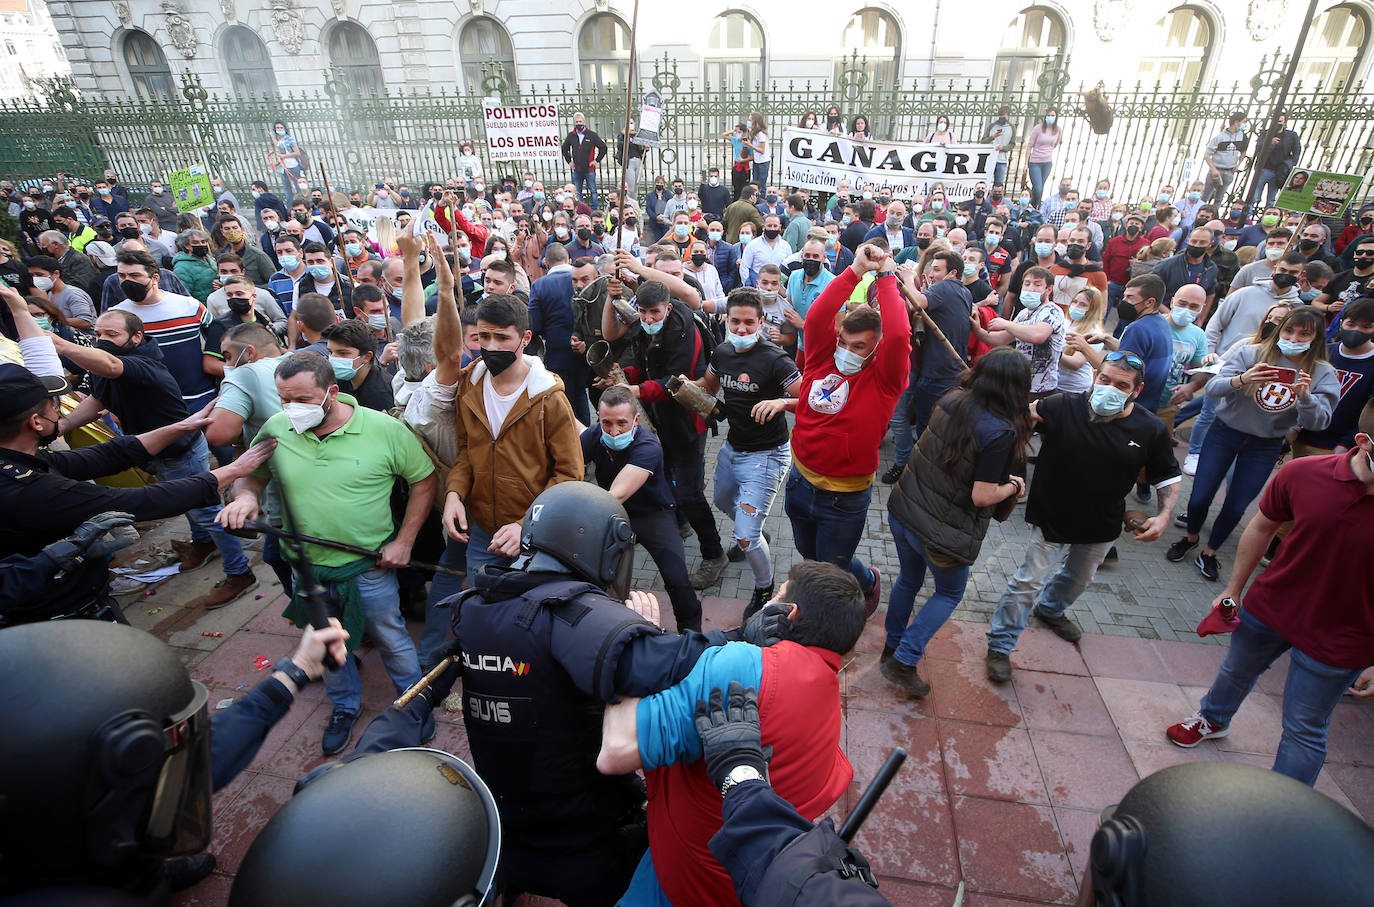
(1270, 410)
(1239, 315)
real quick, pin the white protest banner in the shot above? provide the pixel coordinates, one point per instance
(521, 133)
(366, 219)
(817, 160)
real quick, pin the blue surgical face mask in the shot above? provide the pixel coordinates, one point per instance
(681, 230)
(1049, 120)
(713, 236)
(1102, 193)
(1032, 298)
(652, 329)
(353, 250)
(970, 269)
(992, 239)
(1194, 196)
(1181, 316)
(44, 323)
(1078, 312)
(320, 272)
(1293, 348)
(344, 369)
(742, 341)
(618, 442)
(1309, 294)
(848, 363)
(1107, 400)
(289, 262)
(1043, 249)
(398, 292)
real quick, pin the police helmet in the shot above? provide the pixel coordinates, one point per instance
(1204, 833)
(578, 528)
(104, 755)
(437, 837)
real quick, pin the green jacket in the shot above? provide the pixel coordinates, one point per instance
(198, 274)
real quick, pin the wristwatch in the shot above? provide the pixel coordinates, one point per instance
(293, 671)
(739, 774)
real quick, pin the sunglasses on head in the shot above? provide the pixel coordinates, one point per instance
(1130, 359)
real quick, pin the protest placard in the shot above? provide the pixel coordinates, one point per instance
(191, 188)
(1318, 192)
(521, 133)
(817, 160)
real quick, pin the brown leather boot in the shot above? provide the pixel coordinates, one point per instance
(193, 554)
(228, 589)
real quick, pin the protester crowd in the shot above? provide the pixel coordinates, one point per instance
(416, 386)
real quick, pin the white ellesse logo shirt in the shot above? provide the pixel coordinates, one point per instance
(829, 395)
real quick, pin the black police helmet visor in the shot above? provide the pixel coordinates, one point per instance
(179, 818)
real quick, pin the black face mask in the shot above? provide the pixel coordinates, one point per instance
(239, 307)
(584, 233)
(1076, 250)
(698, 258)
(978, 194)
(1285, 281)
(129, 232)
(598, 229)
(1267, 330)
(923, 242)
(115, 349)
(1354, 339)
(200, 251)
(133, 290)
(658, 187)
(811, 267)
(677, 190)
(1195, 253)
(995, 197)
(1126, 312)
(49, 436)
(1132, 230)
(771, 234)
(498, 360)
(1307, 245)
(1363, 261)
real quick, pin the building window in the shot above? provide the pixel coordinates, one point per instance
(353, 51)
(1183, 41)
(248, 63)
(484, 39)
(603, 50)
(10, 48)
(878, 39)
(147, 67)
(1031, 41)
(1334, 52)
(735, 53)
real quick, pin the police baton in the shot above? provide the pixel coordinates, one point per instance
(315, 601)
(872, 794)
(251, 527)
(422, 684)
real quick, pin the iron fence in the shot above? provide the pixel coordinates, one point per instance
(1159, 135)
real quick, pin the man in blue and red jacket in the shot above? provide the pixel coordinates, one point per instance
(799, 715)
(850, 385)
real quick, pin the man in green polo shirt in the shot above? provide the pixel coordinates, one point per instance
(338, 461)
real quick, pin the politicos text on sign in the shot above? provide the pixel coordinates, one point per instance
(521, 133)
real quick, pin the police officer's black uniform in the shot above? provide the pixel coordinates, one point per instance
(542, 649)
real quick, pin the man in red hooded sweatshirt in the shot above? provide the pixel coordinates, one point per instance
(854, 374)
(799, 713)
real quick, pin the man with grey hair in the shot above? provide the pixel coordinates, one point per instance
(414, 359)
(192, 264)
(583, 149)
(77, 269)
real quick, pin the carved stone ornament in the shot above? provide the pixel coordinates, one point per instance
(286, 21)
(126, 18)
(476, 7)
(1109, 17)
(179, 28)
(1263, 19)
(338, 8)
(226, 8)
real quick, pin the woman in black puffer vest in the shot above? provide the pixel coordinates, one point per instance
(939, 510)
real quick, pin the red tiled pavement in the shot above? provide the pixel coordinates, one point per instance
(1003, 784)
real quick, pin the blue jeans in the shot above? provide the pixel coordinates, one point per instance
(382, 618)
(1115, 292)
(685, 465)
(910, 640)
(923, 399)
(1039, 172)
(202, 519)
(999, 174)
(1187, 411)
(1254, 460)
(1310, 695)
(1205, 418)
(761, 176)
(438, 620)
(1032, 584)
(478, 556)
(1269, 182)
(900, 426)
(746, 485)
(827, 525)
(587, 180)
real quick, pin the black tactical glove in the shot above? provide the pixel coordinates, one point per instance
(85, 543)
(767, 625)
(731, 738)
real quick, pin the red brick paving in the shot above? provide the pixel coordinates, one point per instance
(1002, 786)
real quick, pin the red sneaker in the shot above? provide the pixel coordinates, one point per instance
(1190, 733)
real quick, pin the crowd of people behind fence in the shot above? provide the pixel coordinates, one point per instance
(453, 345)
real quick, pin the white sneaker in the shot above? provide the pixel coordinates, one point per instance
(1190, 464)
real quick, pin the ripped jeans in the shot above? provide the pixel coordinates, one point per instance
(746, 485)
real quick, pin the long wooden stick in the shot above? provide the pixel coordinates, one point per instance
(631, 84)
(930, 323)
(348, 274)
(422, 684)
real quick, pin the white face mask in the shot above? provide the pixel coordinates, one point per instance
(43, 283)
(304, 416)
(1273, 254)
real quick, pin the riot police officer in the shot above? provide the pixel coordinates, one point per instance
(66, 578)
(542, 647)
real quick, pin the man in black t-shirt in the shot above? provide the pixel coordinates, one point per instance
(628, 461)
(755, 374)
(1347, 286)
(1093, 446)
